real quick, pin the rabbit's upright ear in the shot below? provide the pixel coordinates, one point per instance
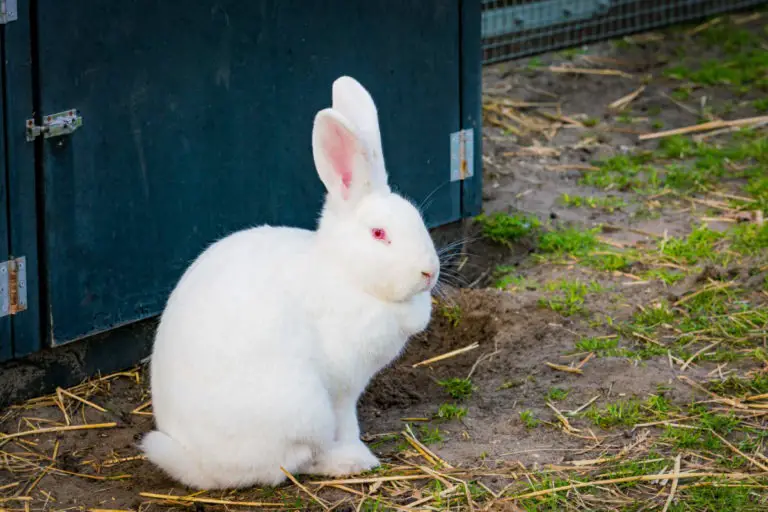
(342, 158)
(355, 103)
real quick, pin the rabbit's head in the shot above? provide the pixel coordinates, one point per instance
(376, 237)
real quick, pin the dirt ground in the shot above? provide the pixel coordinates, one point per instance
(553, 399)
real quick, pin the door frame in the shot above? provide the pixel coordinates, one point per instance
(23, 194)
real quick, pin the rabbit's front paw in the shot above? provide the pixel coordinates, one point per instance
(348, 459)
(415, 313)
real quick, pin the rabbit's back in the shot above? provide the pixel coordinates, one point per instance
(229, 336)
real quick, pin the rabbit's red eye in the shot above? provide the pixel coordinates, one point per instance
(379, 234)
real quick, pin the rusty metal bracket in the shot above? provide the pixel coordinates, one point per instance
(13, 286)
(462, 154)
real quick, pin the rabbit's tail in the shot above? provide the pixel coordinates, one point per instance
(175, 460)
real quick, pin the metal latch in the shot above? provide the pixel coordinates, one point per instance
(55, 125)
(8, 11)
(462, 154)
(13, 286)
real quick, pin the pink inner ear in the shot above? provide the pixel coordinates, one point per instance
(340, 148)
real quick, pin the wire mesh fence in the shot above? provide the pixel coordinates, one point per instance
(517, 28)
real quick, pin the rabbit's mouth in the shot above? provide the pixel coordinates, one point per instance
(427, 283)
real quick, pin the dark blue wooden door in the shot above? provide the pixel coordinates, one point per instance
(6, 343)
(197, 122)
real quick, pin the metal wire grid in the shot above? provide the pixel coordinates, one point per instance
(518, 28)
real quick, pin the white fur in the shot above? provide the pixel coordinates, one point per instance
(273, 333)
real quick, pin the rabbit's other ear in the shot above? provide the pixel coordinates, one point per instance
(342, 158)
(355, 103)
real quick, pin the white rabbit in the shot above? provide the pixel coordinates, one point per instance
(273, 333)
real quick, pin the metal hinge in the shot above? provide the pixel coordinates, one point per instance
(55, 125)
(462, 154)
(8, 11)
(13, 286)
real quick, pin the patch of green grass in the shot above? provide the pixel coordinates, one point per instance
(602, 321)
(510, 384)
(652, 316)
(557, 394)
(757, 187)
(702, 308)
(507, 229)
(658, 405)
(724, 498)
(293, 502)
(620, 172)
(761, 104)
(681, 93)
(550, 502)
(622, 413)
(627, 413)
(459, 389)
(528, 419)
(723, 313)
(608, 261)
(739, 72)
(650, 464)
(571, 298)
(665, 275)
(749, 144)
(682, 178)
(507, 281)
(475, 490)
(651, 350)
(607, 204)
(568, 241)
(723, 424)
(534, 63)
(570, 53)
(727, 108)
(696, 167)
(691, 438)
(451, 412)
(740, 387)
(731, 38)
(603, 347)
(657, 124)
(696, 247)
(368, 505)
(576, 287)
(506, 277)
(452, 313)
(566, 306)
(676, 147)
(741, 65)
(381, 441)
(590, 122)
(429, 435)
(749, 238)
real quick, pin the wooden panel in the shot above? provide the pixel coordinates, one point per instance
(198, 118)
(6, 346)
(23, 175)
